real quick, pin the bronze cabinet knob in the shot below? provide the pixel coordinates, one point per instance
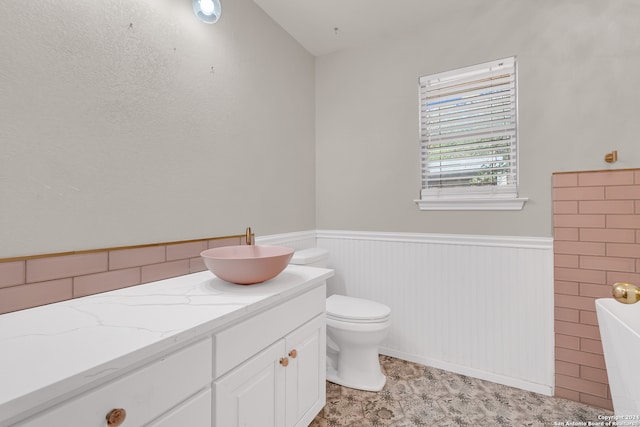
(116, 417)
(293, 353)
(284, 361)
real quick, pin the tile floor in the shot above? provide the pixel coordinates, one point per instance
(417, 395)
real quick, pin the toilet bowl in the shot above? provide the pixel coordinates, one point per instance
(355, 329)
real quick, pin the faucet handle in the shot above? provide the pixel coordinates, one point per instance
(248, 237)
(626, 293)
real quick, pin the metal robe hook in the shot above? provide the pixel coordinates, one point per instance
(612, 157)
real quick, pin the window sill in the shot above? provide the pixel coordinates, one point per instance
(488, 204)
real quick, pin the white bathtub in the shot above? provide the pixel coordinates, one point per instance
(620, 332)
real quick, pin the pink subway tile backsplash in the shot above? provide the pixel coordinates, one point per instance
(582, 385)
(563, 233)
(625, 192)
(12, 273)
(607, 252)
(578, 193)
(565, 180)
(562, 260)
(565, 368)
(569, 288)
(606, 207)
(57, 267)
(597, 401)
(579, 275)
(623, 250)
(580, 248)
(607, 235)
(567, 314)
(594, 374)
(577, 330)
(565, 207)
(591, 346)
(607, 263)
(107, 281)
(579, 220)
(588, 318)
(44, 279)
(34, 294)
(605, 178)
(165, 270)
(185, 250)
(595, 291)
(581, 358)
(196, 264)
(568, 341)
(575, 302)
(565, 393)
(135, 257)
(619, 276)
(623, 221)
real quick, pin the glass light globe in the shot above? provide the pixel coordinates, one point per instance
(208, 11)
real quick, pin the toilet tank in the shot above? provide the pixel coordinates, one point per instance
(313, 257)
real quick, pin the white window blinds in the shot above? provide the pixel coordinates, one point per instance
(468, 127)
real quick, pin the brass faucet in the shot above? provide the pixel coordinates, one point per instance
(248, 237)
(626, 293)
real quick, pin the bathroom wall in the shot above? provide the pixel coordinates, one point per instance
(576, 103)
(596, 218)
(128, 122)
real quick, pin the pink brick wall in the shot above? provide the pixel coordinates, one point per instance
(33, 281)
(596, 217)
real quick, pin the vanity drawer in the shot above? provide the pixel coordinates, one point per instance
(239, 342)
(144, 394)
(195, 412)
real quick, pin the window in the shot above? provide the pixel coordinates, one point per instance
(468, 138)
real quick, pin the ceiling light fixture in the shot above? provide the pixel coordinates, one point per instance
(208, 11)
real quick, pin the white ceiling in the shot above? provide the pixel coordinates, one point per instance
(312, 22)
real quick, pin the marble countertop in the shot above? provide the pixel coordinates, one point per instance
(48, 352)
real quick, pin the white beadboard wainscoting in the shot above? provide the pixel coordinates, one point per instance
(476, 305)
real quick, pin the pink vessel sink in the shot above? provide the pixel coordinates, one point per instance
(247, 264)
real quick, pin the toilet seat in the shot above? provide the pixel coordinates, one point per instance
(356, 310)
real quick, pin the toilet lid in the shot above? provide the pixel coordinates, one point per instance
(309, 256)
(349, 309)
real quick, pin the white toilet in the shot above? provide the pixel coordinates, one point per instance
(355, 329)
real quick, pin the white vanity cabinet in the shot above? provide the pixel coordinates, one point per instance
(283, 384)
(190, 351)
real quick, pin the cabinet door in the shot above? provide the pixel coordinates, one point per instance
(306, 373)
(252, 395)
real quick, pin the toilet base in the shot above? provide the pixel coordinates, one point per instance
(353, 354)
(375, 385)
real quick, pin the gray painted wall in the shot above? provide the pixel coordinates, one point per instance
(130, 121)
(116, 130)
(579, 87)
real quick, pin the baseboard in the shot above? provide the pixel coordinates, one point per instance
(475, 373)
